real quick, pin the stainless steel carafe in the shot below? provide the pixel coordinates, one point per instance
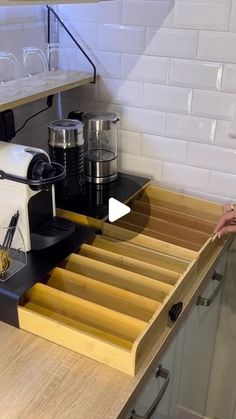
(100, 157)
(66, 146)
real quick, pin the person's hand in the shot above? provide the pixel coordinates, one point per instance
(227, 222)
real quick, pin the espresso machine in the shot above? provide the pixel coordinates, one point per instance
(27, 179)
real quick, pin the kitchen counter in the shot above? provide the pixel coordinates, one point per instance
(42, 380)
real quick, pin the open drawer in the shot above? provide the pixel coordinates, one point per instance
(113, 298)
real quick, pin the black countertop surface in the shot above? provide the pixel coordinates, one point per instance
(93, 202)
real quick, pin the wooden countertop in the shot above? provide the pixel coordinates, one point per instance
(39, 379)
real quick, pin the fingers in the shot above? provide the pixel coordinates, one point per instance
(228, 207)
(226, 230)
(225, 218)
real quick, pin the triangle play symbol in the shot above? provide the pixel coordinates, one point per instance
(116, 210)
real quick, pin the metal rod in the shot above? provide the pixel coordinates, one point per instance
(72, 37)
(49, 26)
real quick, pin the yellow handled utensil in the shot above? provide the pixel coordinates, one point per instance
(4, 262)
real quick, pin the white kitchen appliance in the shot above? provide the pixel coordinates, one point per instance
(27, 180)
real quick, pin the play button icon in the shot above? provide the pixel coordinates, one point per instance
(116, 210)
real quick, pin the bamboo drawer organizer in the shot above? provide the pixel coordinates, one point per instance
(110, 300)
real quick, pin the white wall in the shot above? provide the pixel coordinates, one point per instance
(168, 68)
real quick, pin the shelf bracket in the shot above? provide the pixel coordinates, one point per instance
(50, 11)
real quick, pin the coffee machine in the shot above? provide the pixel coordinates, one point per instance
(27, 179)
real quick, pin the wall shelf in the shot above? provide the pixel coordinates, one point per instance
(42, 2)
(73, 80)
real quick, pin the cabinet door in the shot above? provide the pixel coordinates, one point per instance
(221, 400)
(166, 406)
(199, 340)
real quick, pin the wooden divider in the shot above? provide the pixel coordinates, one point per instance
(177, 201)
(85, 312)
(148, 242)
(125, 262)
(166, 227)
(155, 234)
(103, 294)
(174, 216)
(139, 284)
(166, 263)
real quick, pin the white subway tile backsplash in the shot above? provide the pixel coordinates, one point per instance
(102, 12)
(196, 74)
(109, 63)
(217, 46)
(67, 11)
(85, 33)
(144, 68)
(212, 104)
(190, 128)
(122, 38)
(146, 12)
(186, 176)
(82, 63)
(167, 98)
(140, 165)
(232, 25)
(164, 148)
(206, 196)
(222, 135)
(129, 142)
(142, 120)
(222, 184)
(212, 157)
(74, 60)
(229, 78)
(11, 38)
(120, 92)
(201, 15)
(170, 42)
(88, 92)
(35, 35)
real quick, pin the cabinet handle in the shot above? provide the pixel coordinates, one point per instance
(165, 374)
(205, 302)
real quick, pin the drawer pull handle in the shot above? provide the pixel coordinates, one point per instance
(175, 311)
(165, 374)
(205, 302)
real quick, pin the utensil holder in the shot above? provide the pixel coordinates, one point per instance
(13, 258)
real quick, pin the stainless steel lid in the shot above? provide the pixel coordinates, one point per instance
(65, 133)
(97, 121)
